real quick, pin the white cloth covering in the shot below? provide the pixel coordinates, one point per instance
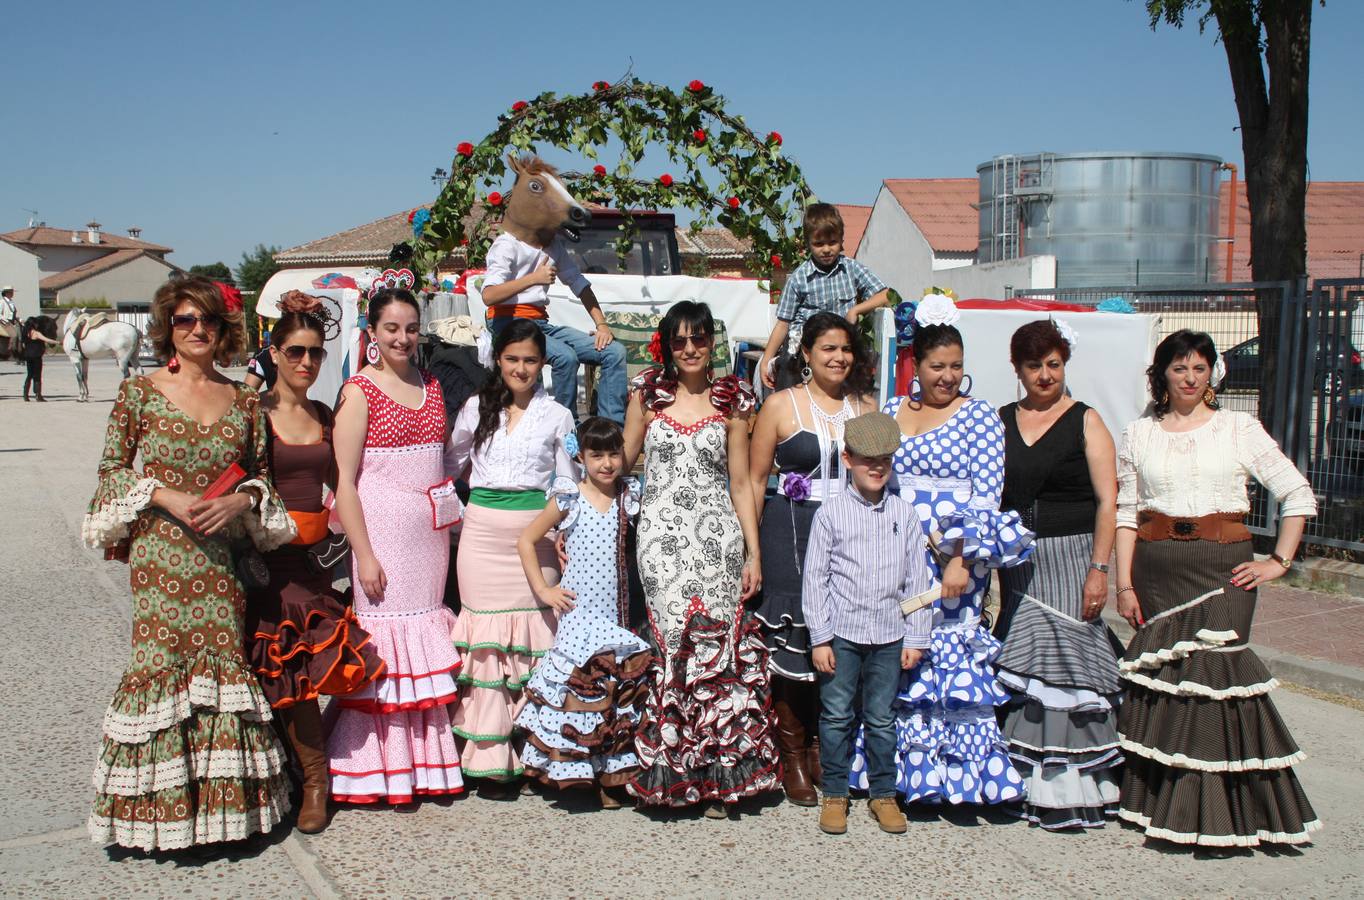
(1195, 473)
(527, 459)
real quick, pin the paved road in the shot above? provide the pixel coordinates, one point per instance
(67, 635)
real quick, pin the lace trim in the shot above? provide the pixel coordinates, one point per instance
(1205, 640)
(1180, 761)
(1164, 614)
(224, 826)
(108, 525)
(225, 763)
(1221, 840)
(1194, 689)
(273, 526)
(204, 693)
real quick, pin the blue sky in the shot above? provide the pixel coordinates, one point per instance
(219, 126)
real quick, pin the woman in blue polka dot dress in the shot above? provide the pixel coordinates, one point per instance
(583, 700)
(950, 465)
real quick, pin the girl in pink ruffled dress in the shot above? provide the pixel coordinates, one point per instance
(392, 741)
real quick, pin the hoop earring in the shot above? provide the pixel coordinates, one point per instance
(806, 374)
(372, 353)
(965, 390)
(916, 389)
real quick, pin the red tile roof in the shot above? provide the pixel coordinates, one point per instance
(77, 274)
(854, 225)
(941, 208)
(1335, 231)
(712, 243)
(61, 237)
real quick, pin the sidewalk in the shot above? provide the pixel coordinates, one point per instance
(1306, 637)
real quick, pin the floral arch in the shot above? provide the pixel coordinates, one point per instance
(760, 196)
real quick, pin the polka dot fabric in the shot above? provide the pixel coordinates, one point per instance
(949, 748)
(392, 425)
(583, 699)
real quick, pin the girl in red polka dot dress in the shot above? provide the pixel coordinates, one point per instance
(392, 741)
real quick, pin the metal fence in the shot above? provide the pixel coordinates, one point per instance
(1315, 403)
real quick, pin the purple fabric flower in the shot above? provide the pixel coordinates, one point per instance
(796, 486)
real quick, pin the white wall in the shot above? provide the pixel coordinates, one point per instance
(59, 259)
(20, 269)
(952, 260)
(895, 249)
(991, 280)
(136, 280)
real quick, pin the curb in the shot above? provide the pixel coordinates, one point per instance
(1318, 674)
(1316, 573)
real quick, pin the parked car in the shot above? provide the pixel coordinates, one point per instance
(1343, 367)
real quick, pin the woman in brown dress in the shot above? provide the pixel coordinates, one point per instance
(303, 639)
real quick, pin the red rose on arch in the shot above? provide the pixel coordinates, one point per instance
(519, 105)
(464, 242)
(733, 202)
(774, 137)
(665, 179)
(410, 216)
(696, 86)
(494, 199)
(656, 347)
(600, 85)
(776, 260)
(599, 170)
(465, 149)
(700, 135)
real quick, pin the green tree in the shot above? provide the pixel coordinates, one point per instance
(218, 271)
(1267, 44)
(256, 268)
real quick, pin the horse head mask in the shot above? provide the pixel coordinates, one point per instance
(540, 207)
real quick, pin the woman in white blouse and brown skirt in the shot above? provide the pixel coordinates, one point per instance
(1208, 758)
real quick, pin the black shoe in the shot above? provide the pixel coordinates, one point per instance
(41, 400)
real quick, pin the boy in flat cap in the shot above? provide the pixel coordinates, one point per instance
(864, 567)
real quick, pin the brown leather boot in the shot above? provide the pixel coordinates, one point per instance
(795, 779)
(303, 723)
(812, 762)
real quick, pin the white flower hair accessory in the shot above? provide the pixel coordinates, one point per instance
(1219, 371)
(1067, 332)
(936, 309)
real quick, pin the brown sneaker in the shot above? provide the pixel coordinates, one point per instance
(887, 814)
(833, 815)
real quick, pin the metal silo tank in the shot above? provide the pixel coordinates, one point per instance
(1108, 218)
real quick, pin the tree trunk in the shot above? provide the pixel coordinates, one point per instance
(1273, 118)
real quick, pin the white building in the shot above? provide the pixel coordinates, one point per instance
(79, 266)
(923, 233)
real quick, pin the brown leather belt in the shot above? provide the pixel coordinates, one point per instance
(1220, 528)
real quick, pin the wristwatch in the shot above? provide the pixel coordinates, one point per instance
(1099, 567)
(1286, 563)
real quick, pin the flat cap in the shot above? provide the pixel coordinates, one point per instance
(872, 434)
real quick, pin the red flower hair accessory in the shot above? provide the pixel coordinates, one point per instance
(656, 347)
(232, 298)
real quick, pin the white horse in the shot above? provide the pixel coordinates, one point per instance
(119, 338)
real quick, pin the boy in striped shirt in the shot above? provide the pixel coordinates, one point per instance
(864, 560)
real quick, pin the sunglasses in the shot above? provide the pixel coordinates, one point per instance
(699, 341)
(190, 320)
(294, 353)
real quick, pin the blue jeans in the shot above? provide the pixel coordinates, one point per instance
(566, 348)
(875, 668)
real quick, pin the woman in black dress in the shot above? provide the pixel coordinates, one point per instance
(1058, 659)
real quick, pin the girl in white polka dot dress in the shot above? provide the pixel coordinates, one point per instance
(583, 701)
(950, 465)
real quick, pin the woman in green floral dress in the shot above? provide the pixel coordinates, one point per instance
(188, 756)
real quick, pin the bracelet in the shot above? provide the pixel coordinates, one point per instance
(1121, 590)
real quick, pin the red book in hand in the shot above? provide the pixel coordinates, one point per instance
(226, 482)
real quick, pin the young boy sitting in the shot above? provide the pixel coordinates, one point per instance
(865, 558)
(826, 282)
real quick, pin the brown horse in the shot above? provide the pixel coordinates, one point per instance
(540, 206)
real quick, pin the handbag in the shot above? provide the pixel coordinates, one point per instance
(328, 553)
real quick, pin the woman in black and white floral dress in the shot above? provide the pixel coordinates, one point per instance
(705, 736)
